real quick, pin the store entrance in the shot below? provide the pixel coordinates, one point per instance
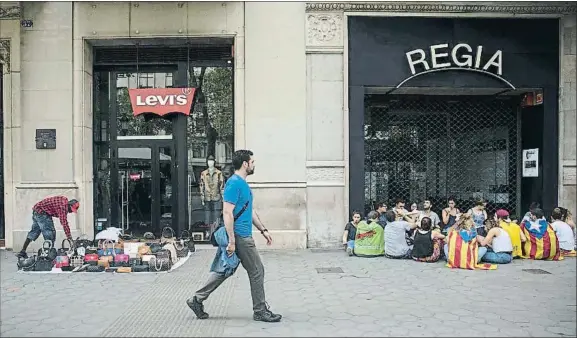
(145, 177)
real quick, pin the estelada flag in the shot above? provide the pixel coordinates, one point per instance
(464, 250)
(542, 241)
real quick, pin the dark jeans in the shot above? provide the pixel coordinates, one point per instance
(251, 262)
(212, 211)
(42, 224)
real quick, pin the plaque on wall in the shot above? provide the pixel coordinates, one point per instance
(45, 138)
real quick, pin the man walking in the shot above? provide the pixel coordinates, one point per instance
(42, 223)
(238, 220)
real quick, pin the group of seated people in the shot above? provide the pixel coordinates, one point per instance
(469, 240)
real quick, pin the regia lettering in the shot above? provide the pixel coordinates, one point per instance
(461, 56)
(163, 100)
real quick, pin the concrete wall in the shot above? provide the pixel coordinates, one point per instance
(568, 114)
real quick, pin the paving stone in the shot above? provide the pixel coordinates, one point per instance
(372, 298)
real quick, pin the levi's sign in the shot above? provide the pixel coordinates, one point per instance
(161, 101)
(458, 57)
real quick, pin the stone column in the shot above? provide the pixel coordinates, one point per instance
(567, 115)
(326, 129)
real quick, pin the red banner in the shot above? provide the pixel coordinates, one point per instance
(161, 101)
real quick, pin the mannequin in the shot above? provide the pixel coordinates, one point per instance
(211, 188)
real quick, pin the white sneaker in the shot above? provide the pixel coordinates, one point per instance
(349, 251)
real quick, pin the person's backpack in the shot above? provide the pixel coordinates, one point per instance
(369, 240)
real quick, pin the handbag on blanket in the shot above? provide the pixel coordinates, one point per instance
(159, 264)
(43, 263)
(47, 250)
(106, 248)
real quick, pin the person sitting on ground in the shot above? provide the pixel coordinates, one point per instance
(497, 242)
(351, 232)
(427, 243)
(564, 232)
(427, 212)
(542, 242)
(513, 229)
(532, 206)
(462, 249)
(396, 245)
(369, 241)
(449, 215)
(399, 209)
(479, 215)
(567, 217)
(382, 209)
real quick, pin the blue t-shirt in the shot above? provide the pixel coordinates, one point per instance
(237, 192)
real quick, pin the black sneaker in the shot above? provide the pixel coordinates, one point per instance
(197, 307)
(22, 254)
(275, 315)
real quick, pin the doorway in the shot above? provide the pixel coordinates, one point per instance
(143, 179)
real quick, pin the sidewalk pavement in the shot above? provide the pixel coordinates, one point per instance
(371, 297)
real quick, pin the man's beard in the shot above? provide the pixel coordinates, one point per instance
(249, 171)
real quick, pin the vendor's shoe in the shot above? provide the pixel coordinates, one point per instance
(197, 307)
(22, 254)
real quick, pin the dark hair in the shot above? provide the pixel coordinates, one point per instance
(356, 212)
(426, 223)
(239, 157)
(534, 205)
(479, 202)
(557, 214)
(381, 204)
(390, 216)
(513, 218)
(538, 213)
(451, 198)
(399, 200)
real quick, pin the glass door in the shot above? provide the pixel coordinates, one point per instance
(143, 188)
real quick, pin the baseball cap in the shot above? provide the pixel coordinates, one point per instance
(502, 213)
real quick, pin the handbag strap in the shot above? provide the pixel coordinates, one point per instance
(156, 267)
(185, 234)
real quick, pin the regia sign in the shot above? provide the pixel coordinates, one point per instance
(459, 57)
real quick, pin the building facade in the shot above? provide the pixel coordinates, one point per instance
(344, 105)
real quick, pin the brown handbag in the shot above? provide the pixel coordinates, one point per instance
(143, 250)
(105, 263)
(124, 270)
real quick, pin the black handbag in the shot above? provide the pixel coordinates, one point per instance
(167, 236)
(212, 239)
(159, 264)
(134, 261)
(82, 242)
(47, 250)
(181, 248)
(66, 251)
(95, 268)
(162, 254)
(44, 263)
(187, 238)
(27, 264)
(154, 247)
(140, 268)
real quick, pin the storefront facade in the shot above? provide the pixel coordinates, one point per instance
(290, 81)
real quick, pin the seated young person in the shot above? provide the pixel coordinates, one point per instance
(513, 229)
(369, 240)
(396, 245)
(427, 243)
(564, 233)
(542, 242)
(462, 248)
(497, 242)
(351, 232)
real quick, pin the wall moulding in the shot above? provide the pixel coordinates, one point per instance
(5, 53)
(473, 7)
(324, 29)
(10, 12)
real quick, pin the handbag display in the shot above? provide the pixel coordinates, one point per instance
(76, 261)
(66, 251)
(121, 260)
(91, 259)
(143, 250)
(181, 248)
(43, 263)
(159, 264)
(171, 248)
(134, 261)
(124, 270)
(61, 261)
(47, 250)
(131, 248)
(146, 259)
(27, 264)
(164, 253)
(106, 248)
(167, 236)
(186, 237)
(140, 268)
(104, 262)
(95, 268)
(154, 247)
(83, 242)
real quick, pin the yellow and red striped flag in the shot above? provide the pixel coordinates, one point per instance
(542, 241)
(463, 254)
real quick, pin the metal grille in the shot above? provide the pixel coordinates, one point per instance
(426, 147)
